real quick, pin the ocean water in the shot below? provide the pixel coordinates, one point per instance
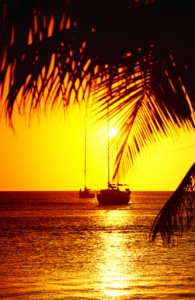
(54, 245)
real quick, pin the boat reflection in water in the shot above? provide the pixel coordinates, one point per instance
(113, 195)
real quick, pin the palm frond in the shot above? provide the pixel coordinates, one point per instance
(139, 55)
(178, 212)
(142, 105)
(43, 57)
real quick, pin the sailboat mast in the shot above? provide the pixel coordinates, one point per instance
(85, 158)
(108, 143)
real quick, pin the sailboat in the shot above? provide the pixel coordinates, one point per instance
(112, 195)
(86, 193)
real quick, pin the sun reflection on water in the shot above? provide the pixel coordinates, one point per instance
(115, 263)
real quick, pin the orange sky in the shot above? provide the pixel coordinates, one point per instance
(49, 155)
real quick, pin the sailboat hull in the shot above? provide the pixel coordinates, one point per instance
(86, 194)
(113, 197)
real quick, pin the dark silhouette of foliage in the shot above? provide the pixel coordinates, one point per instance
(135, 55)
(139, 54)
(178, 212)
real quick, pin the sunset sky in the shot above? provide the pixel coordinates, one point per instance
(49, 155)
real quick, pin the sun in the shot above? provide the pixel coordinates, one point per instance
(113, 132)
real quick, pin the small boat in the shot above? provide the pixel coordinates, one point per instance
(86, 193)
(113, 195)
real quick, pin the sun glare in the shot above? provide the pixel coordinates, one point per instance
(113, 132)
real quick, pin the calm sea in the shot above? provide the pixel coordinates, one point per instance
(54, 245)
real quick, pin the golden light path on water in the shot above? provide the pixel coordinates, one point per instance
(114, 269)
(80, 251)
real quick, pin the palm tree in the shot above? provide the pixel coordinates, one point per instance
(138, 56)
(178, 212)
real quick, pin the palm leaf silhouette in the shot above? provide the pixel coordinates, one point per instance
(178, 212)
(138, 56)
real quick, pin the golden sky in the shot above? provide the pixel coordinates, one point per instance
(49, 155)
